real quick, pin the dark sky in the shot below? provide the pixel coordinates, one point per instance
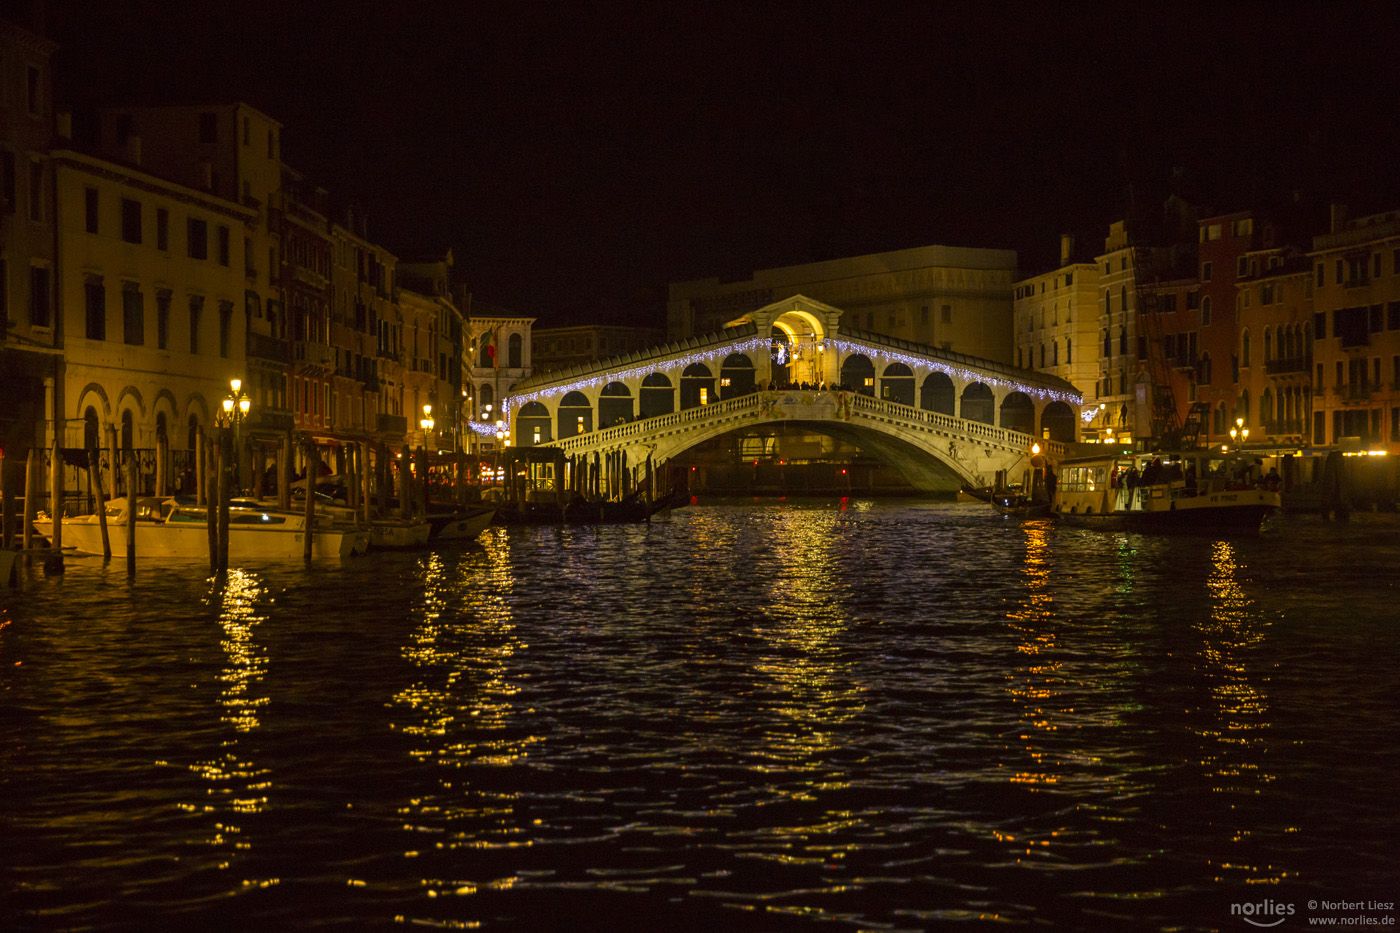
(578, 155)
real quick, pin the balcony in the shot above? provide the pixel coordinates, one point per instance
(392, 424)
(1296, 364)
(1354, 392)
(275, 420)
(1283, 428)
(313, 353)
(263, 347)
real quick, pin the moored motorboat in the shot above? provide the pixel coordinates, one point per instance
(177, 529)
(398, 533)
(1202, 491)
(464, 524)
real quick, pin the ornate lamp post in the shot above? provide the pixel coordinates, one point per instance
(426, 423)
(236, 406)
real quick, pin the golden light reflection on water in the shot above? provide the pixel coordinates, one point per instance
(462, 705)
(1056, 751)
(1233, 727)
(816, 687)
(237, 787)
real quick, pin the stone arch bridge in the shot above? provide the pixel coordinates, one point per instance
(942, 419)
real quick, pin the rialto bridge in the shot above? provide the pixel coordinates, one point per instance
(942, 419)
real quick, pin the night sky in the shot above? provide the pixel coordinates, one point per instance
(577, 157)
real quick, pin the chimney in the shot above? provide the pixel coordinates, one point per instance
(1339, 217)
(1066, 248)
(133, 150)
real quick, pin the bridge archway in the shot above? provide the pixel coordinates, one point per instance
(658, 396)
(697, 386)
(533, 425)
(615, 405)
(858, 374)
(575, 415)
(978, 404)
(1018, 413)
(1057, 422)
(897, 384)
(736, 376)
(938, 394)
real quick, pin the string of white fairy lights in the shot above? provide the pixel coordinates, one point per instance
(753, 344)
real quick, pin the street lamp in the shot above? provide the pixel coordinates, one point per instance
(236, 406)
(426, 423)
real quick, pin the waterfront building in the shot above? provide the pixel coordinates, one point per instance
(946, 297)
(436, 328)
(1123, 412)
(150, 298)
(231, 151)
(30, 340)
(1222, 247)
(499, 358)
(1057, 319)
(553, 348)
(1356, 332)
(361, 298)
(1275, 345)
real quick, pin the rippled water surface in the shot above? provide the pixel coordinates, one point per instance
(892, 716)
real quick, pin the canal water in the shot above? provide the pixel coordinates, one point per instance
(758, 716)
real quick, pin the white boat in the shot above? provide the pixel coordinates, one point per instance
(461, 525)
(170, 528)
(1194, 490)
(396, 533)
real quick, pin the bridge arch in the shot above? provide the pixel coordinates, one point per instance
(532, 425)
(657, 396)
(575, 415)
(897, 384)
(978, 403)
(1057, 422)
(938, 394)
(858, 374)
(736, 376)
(615, 405)
(1018, 413)
(697, 386)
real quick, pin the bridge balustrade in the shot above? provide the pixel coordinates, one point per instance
(894, 412)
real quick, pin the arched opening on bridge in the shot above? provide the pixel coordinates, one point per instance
(978, 404)
(1018, 413)
(736, 376)
(1057, 422)
(804, 335)
(575, 415)
(938, 394)
(532, 425)
(781, 351)
(858, 373)
(697, 386)
(658, 396)
(614, 405)
(897, 384)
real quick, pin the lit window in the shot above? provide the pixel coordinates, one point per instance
(724, 382)
(870, 381)
(704, 395)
